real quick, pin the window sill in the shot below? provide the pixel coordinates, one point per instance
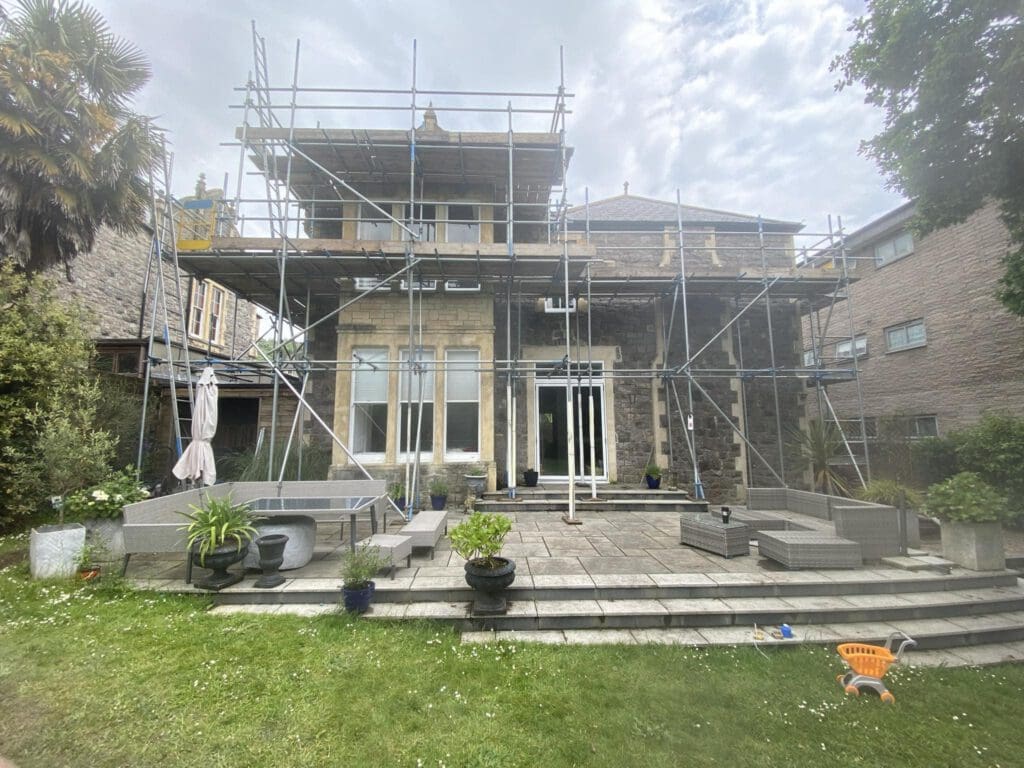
(907, 348)
(461, 458)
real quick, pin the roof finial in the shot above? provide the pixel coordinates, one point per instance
(625, 187)
(201, 187)
(430, 119)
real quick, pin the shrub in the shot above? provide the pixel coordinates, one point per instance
(480, 536)
(934, 460)
(252, 465)
(652, 470)
(965, 498)
(359, 567)
(438, 487)
(217, 522)
(106, 499)
(890, 493)
(45, 352)
(994, 449)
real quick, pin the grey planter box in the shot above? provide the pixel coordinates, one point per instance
(54, 550)
(975, 546)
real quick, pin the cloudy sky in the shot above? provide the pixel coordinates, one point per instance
(730, 102)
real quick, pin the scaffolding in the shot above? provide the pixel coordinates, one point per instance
(323, 188)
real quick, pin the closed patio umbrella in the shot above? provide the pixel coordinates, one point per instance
(197, 462)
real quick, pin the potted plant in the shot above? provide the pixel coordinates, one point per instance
(438, 493)
(530, 478)
(652, 474)
(357, 572)
(476, 479)
(478, 539)
(218, 535)
(397, 493)
(969, 511)
(100, 507)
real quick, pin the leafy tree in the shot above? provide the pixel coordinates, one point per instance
(949, 75)
(73, 156)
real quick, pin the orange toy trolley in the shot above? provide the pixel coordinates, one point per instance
(869, 664)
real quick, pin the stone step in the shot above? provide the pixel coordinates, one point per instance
(991, 639)
(667, 586)
(584, 505)
(557, 492)
(945, 607)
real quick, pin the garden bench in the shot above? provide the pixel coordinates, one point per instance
(426, 529)
(392, 546)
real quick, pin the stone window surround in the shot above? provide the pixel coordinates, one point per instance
(607, 356)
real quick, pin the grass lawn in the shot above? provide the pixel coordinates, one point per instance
(96, 675)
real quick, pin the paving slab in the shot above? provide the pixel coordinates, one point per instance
(599, 637)
(669, 636)
(310, 610)
(555, 565)
(701, 605)
(682, 580)
(645, 565)
(454, 581)
(437, 610)
(562, 580)
(632, 607)
(228, 610)
(610, 580)
(568, 608)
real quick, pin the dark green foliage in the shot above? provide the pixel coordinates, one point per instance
(47, 399)
(965, 498)
(948, 76)
(252, 466)
(891, 493)
(993, 448)
(815, 448)
(73, 157)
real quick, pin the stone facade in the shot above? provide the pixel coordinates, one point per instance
(972, 360)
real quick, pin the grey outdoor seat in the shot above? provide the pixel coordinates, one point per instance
(426, 529)
(809, 549)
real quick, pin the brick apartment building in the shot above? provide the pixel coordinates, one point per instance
(932, 343)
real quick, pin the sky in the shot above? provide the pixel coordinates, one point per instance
(732, 103)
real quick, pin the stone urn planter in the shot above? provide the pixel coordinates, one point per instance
(975, 546)
(490, 577)
(218, 560)
(476, 484)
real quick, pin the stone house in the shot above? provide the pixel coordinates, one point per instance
(934, 347)
(439, 317)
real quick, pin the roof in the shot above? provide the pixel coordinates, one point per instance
(635, 208)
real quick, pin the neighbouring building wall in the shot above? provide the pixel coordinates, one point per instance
(971, 360)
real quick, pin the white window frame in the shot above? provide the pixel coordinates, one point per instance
(461, 457)
(366, 283)
(861, 345)
(368, 225)
(209, 301)
(555, 305)
(473, 223)
(894, 249)
(915, 427)
(462, 286)
(428, 358)
(905, 328)
(810, 358)
(368, 457)
(420, 285)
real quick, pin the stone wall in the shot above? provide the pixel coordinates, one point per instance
(974, 355)
(110, 280)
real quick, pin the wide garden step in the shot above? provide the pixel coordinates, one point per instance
(719, 612)
(639, 504)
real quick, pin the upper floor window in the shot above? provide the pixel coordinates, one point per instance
(894, 248)
(424, 222)
(905, 336)
(207, 312)
(810, 358)
(844, 349)
(373, 223)
(463, 224)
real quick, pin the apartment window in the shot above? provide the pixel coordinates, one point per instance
(810, 359)
(425, 223)
(924, 426)
(462, 405)
(420, 285)
(905, 336)
(462, 286)
(556, 305)
(413, 374)
(207, 312)
(366, 283)
(463, 225)
(374, 225)
(844, 349)
(894, 248)
(369, 421)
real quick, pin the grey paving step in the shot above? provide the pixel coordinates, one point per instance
(584, 505)
(962, 642)
(973, 605)
(606, 492)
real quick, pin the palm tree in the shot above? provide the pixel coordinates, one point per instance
(73, 156)
(817, 446)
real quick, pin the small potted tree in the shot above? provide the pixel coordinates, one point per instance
(530, 478)
(652, 475)
(357, 572)
(969, 511)
(438, 493)
(218, 535)
(478, 539)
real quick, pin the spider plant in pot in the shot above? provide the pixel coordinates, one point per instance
(652, 475)
(357, 572)
(438, 493)
(218, 535)
(478, 539)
